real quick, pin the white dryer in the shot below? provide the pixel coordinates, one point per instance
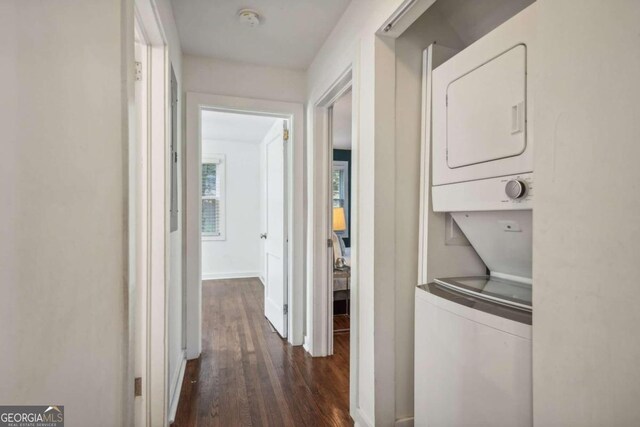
(482, 133)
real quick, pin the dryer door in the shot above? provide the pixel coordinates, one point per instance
(486, 111)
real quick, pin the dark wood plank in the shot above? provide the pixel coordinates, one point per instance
(341, 323)
(248, 376)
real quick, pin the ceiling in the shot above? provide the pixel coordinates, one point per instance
(234, 127)
(289, 35)
(342, 122)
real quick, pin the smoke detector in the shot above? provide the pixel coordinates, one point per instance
(249, 17)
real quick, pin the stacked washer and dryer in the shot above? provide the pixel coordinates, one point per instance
(473, 333)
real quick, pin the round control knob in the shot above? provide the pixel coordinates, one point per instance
(516, 189)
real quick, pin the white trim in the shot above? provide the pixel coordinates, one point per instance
(147, 14)
(158, 248)
(318, 319)
(287, 110)
(354, 343)
(177, 388)
(405, 422)
(156, 234)
(320, 257)
(405, 14)
(361, 419)
(238, 275)
(139, 209)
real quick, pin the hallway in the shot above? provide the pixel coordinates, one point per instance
(247, 375)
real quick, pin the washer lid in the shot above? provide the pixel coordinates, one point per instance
(437, 294)
(498, 290)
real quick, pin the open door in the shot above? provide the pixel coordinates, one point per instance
(275, 292)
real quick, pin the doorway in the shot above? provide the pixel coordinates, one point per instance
(334, 247)
(273, 209)
(243, 204)
(341, 223)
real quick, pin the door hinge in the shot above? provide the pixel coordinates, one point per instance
(138, 71)
(286, 309)
(137, 387)
(285, 135)
(329, 243)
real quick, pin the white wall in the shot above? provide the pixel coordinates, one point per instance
(354, 40)
(429, 28)
(239, 254)
(586, 291)
(220, 77)
(63, 292)
(248, 88)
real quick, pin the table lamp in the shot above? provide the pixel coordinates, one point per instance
(339, 221)
(339, 224)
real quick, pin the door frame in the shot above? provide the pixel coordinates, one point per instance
(319, 337)
(325, 110)
(320, 325)
(293, 112)
(155, 234)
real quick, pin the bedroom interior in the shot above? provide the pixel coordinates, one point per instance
(341, 196)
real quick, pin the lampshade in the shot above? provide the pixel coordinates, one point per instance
(339, 221)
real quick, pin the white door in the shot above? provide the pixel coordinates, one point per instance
(275, 292)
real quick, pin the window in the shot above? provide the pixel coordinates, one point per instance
(340, 189)
(212, 226)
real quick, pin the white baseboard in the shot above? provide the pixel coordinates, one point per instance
(404, 422)
(261, 280)
(305, 344)
(240, 275)
(177, 388)
(361, 420)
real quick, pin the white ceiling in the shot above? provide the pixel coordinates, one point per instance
(221, 126)
(289, 35)
(342, 122)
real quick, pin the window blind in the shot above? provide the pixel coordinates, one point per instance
(210, 199)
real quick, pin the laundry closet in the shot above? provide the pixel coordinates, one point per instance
(471, 93)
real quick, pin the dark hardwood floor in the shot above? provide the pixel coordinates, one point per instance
(247, 375)
(341, 324)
